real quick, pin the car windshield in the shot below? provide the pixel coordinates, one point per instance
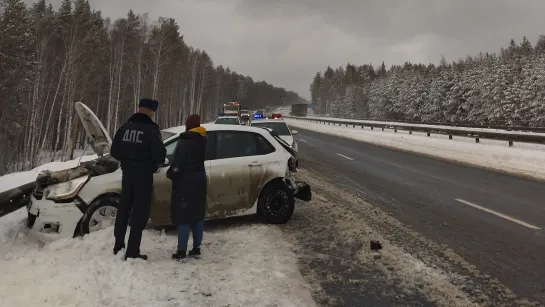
(279, 127)
(165, 134)
(227, 121)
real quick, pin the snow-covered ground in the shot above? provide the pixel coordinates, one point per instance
(423, 125)
(522, 159)
(14, 180)
(246, 265)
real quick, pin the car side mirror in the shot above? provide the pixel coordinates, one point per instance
(294, 132)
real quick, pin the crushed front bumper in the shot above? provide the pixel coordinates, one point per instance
(49, 221)
(302, 191)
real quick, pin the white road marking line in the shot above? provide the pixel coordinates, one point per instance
(345, 157)
(303, 141)
(465, 202)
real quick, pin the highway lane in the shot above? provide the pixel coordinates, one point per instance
(492, 220)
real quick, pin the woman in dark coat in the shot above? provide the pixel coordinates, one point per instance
(189, 183)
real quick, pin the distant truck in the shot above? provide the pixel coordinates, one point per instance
(299, 109)
(231, 109)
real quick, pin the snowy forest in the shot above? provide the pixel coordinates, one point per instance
(51, 58)
(505, 89)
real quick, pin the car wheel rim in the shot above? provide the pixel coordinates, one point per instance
(277, 203)
(102, 218)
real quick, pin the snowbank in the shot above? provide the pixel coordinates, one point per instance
(13, 180)
(398, 124)
(241, 266)
(524, 159)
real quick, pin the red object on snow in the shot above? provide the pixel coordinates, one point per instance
(276, 115)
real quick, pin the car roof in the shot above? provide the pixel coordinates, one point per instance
(268, 120)
(217, 127)
(227, 116)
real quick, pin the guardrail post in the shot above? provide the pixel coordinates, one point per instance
(450, 137)
(395, 129)
(428, 134)
(510, 143)
(353, 126)
(371, 127)
(410, 132)
(345, 125)
(382, 128)
(476, 140)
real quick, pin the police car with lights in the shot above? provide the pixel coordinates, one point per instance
(224, 119)
(276, 123)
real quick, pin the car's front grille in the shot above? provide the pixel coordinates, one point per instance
(31, 220)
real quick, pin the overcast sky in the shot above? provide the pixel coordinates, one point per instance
(285, 42)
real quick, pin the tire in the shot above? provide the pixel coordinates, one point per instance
(103, 206)
(275, 204)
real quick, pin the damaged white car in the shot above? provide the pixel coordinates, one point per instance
(250, 171)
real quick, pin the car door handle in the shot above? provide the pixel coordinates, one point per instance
(254, 163)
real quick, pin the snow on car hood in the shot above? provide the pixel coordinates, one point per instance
(97, 136)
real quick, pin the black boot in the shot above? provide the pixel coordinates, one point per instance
(195, 253)
(180, 256)
(139, 256)
(117, 248)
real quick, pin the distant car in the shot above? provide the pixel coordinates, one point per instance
(250, 171)
(277, 124)
(228, 120)
(245, 119)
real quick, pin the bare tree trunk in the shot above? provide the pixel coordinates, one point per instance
(192, 88)
(48, 123)
(113, 59)
(60, 120)
(203, 84)
(119, 71)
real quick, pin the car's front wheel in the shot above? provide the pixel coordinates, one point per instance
(275, 204)
(100, 214)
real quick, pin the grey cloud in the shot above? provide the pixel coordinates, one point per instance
(286, 42)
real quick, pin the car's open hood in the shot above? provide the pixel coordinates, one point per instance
(97, 136)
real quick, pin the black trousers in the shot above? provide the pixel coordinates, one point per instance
(135, 204)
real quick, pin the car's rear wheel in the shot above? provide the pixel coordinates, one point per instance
(100, 214)
(275, 204)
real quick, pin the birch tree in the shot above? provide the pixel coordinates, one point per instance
(50, 59)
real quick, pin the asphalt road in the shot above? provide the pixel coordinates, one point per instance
(493, 221)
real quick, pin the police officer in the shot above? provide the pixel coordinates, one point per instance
(138, 146)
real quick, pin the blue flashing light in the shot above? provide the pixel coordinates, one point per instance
(257, 115)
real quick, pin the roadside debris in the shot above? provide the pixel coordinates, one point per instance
(376, 245)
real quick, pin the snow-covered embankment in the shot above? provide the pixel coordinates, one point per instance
(526, 160)
(250, 265)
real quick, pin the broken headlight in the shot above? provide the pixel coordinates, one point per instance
(65, 190)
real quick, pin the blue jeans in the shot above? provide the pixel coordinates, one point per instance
(197, 230)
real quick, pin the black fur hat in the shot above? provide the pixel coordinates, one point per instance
(151, 104)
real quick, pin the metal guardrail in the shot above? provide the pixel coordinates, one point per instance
(508, 128)
(474, 132)
(15, 198)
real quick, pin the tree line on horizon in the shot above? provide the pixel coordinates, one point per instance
(50, 59)
(503, 89)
